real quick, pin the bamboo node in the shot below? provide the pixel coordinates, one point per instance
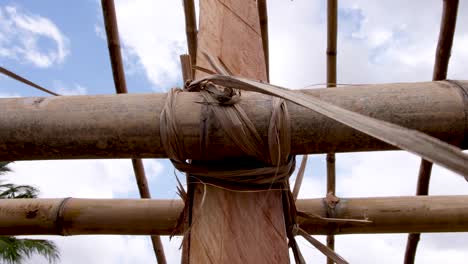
(60, 223)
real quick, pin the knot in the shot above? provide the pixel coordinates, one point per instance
(266, 163)
(223, 95)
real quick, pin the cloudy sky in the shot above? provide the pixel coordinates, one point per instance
(61, 45)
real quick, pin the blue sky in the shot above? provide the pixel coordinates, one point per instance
(379, 42)
(87, 61)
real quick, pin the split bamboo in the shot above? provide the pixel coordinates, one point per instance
(229, 226)
(443, 51)
(158, 217)
(127, 126)
(332, 25)
(113, 42)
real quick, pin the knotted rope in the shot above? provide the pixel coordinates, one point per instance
(258, 171)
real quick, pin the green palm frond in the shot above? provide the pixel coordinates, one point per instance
(13, 191)
(4, 167)
(14, 250)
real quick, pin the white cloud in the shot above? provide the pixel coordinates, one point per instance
(75, 178)
(100, 32)
(110, 249)
(152, 35)
(22, 34)
(9, 95)
(65, 89)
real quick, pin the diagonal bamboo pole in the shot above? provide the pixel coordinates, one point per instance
(75, 216)
(332, 24)
(25, 81)
(444, 47)
(110, 20)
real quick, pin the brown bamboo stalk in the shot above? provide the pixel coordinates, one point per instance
(191, 30)
(186, 65)
(443, 51)
(332, 25)
(113, 42)
(263, 15)
(299, 177)
(25, 81)
(127, 125)
(158, 217)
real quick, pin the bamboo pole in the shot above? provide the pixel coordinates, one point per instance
(191, 30)
(127, 125)
(332, 25)
(443, 51)
(113, 41)
(186, 65)
(263, 15)
(25, 81)
(76, 216)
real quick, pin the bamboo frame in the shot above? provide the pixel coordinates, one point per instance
(332, 25)
(127, 125)
(444, 47)
(75, 216)
(113, 42)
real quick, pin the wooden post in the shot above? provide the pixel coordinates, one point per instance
(230, 226)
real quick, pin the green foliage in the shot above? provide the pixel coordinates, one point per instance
(3, 167)
(15, 250)
(12, 191)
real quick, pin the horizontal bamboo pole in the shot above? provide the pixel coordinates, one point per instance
(127, 126)
(158, 217)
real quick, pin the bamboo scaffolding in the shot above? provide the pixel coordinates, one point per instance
(113, 42)
(443, 51)
(332, 25)
(76, 216)
(127, 126)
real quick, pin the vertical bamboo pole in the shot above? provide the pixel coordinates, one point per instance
(231, 226)
(113, 41)
(263, 14)
(332, 24)
(191, 30)
(444, 47)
